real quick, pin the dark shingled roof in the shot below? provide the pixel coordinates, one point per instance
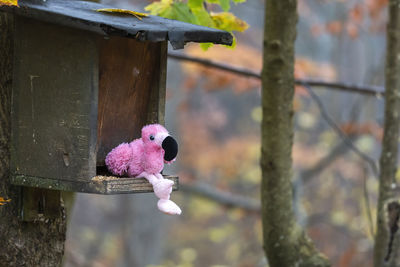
(82, 15)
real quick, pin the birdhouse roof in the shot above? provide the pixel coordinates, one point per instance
(83, 15)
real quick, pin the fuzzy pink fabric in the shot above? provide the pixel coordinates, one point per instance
(141, 155)
(145, 157)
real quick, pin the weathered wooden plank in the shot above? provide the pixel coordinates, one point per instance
(106, 185)
(128, 91)
(54, 102)
(156, 107)
(162, 90)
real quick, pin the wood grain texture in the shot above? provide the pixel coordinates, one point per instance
(39, 243)
(105, 185)
(129, 90)
(156, 109)
(54, 102)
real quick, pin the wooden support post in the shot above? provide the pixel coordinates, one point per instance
(39, 204)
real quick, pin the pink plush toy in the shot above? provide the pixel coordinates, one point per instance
(145, 157)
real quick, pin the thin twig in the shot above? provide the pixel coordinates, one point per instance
(221, 197)
(339, 150)
(217, 65)
(367, 203)
(237, 201)
(340, 133)
(306, 175)
(370, 90)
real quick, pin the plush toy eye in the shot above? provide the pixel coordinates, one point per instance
(152, 137)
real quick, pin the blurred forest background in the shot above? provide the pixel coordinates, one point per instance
(216, 116)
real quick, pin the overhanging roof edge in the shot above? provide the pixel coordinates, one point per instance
(83, 15)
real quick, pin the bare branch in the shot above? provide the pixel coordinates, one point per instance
(221, 197)
(236, 201)
(340, 133)
(339, 150)
(376, 91)
(347, 141)
(217, 65)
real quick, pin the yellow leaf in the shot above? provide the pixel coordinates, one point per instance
(122, 11)
(4, 201)
(8, 2)
(228, 22)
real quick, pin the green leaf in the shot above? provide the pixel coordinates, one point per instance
(183, 13)
(228, 22)
(193, 4)
(171, 10)
(203, 17)
(205, 46)
(225, 5)
(193, 11)
(159, 8)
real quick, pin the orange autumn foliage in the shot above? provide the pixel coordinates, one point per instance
(242, 57)
(352, 30)
(367, 128)
(334, 27)
(317, 30)
(356, 14)
(4, 201)
(306, 68)
(211, 156)
(375, 7)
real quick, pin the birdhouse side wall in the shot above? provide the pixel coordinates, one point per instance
(54, 102)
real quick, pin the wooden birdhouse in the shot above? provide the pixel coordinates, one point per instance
(85, 81)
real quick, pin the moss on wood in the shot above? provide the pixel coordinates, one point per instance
(285, 243)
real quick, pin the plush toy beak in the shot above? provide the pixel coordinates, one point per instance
(170, 147)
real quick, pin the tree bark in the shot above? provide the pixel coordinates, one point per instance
(386, 228)
(39, 243)
(285, 243)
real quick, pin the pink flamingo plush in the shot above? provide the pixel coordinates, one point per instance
(145, 157)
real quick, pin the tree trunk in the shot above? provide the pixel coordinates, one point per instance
(285, 243)
(387, 216)
(39, 243)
